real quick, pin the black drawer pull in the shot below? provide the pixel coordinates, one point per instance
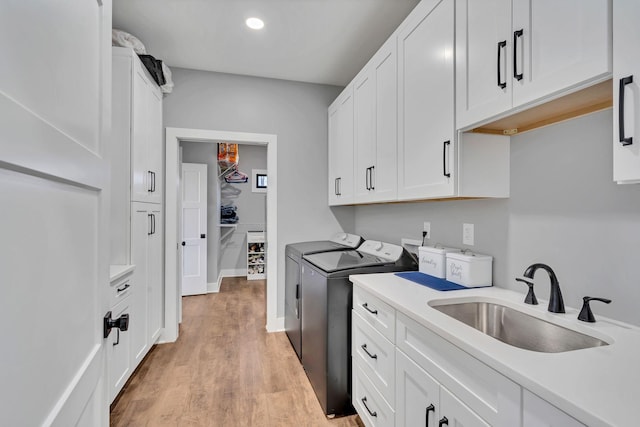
(364, 348)
(364, 402)
(443, 422)
(366, 307)
(124, 288)
(623, 82)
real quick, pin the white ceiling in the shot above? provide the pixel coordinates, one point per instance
(317, 41)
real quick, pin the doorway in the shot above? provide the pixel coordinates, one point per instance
(173, 300)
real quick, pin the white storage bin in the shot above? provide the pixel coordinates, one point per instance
(433, 260)
(469, 269)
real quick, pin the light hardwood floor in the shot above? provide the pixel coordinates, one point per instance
(224, 370)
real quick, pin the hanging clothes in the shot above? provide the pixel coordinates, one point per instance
(237, 177)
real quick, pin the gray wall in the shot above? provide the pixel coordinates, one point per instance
(564, 210)
(297, 114)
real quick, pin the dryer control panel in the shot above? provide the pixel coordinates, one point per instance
(351, 240)
(382, 250)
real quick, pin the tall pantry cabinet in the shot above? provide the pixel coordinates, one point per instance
(136, 198)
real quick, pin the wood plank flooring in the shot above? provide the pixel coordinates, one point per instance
(224, 370)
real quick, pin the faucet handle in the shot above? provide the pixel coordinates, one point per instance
(586, 315)
(531, 296)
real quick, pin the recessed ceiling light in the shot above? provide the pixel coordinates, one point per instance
(255, 23)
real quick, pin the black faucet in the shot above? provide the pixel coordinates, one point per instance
(556, 304)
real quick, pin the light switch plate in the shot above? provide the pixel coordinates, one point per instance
(467, 234)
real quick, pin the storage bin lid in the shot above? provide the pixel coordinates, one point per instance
(469, 256)
(437, 249)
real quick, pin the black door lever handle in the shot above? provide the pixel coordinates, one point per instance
(121, 323)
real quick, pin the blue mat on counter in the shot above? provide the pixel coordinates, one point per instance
(430, 281)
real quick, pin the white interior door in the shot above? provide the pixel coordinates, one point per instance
(54, 217)
(194, 228)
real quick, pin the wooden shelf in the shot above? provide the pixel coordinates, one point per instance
(594, 98)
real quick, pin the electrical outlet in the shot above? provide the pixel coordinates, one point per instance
(427, 229)
(467, 234)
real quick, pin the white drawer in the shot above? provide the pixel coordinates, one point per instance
(369, 403)
(378, 314)
(491, 395)
(376, 356)
(120, 289)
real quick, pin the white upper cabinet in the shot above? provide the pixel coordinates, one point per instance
(341, 149)
(375, 121)
(137, 123)
(626, 92)
(483, 59)
(515, 53)
(426, 137)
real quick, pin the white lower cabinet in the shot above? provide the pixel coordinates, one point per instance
(118, 351)
(369, 403)
(422, 401)
(148, 298)
(540, 413)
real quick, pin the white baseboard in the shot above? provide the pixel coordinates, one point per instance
(213, 288)
(276, 326)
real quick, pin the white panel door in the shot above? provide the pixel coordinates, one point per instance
(155, 142)
(54, 217)
(426, 140)
(140, 173)
(626, 92)
(417, 395)
(194, 228)
(341, 149)
(483, 59)
(563, 43)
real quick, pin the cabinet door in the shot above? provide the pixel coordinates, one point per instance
(626, 38)
(458, 414)
(417, 395)
(155, 143)
(140, 230)
(425, 93)
(483, 60)
(155, 274)
(384, 175)
(563, 44)
(364, 116)
(341, 149)
(118, 352)
(539, 413)
(140, 176)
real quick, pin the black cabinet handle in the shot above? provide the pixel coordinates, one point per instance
(501, 46)
(297, 290)
(443, 422)
(367, 178)
(335, 186)
(364, 348)
(153, 223)
(371, 178)
(184, 243)
(124, 288)
(339, 193)
(430, 408)
(150, 232)
(516, 36)
(366, 307)
(444, 159)
(623, 82)
(364, 402)
(153, 189)
(150, 186)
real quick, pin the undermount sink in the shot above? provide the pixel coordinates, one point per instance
(518, 329)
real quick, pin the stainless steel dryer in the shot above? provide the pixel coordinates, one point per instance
(326, 322)
(292, 292)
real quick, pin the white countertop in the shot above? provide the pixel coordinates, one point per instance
(118, 271)
(599, 386)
